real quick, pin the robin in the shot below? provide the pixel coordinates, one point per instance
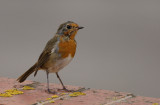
(58, 52)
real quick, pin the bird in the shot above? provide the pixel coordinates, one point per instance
(58, 52)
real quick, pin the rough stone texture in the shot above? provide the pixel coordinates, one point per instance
(92, 97)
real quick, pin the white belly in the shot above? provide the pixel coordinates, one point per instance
(60, 64)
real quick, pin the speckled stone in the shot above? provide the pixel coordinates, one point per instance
(39, 95)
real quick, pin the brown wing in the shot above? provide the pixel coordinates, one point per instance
(46, 53)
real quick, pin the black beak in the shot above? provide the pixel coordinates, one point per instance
(80, 27)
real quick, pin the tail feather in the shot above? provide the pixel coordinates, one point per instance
(23, 77)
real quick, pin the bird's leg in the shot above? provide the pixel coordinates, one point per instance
(64, 88)
(49, 91)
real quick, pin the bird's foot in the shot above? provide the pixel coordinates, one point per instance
(51, 92)
(65, 89)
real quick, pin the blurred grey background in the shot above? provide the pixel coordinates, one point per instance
(119, 48)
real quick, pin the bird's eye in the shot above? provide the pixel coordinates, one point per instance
(69, 27)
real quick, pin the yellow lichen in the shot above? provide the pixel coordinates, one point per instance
(10, 93)
(63, 93)
(75, 94)
(28, 88)
(52, 101)
(48, 98)
(55, 96)
(5, 95)
(155, 104)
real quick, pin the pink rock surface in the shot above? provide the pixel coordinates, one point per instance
(139, 100)
(39, 95)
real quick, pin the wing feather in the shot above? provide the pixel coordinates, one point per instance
(46, 53)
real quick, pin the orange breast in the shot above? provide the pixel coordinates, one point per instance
(66, 48)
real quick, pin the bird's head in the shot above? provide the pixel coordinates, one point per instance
(69, 29)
